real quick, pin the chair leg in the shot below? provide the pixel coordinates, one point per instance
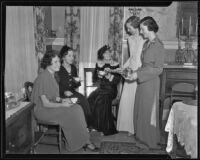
(59, 139)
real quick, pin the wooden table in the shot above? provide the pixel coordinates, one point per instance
(19, 129)
(182, 122)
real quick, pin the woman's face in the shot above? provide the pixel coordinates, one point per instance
(69, 58)
(131, 29)
(55, 64)
(107, 55)
(144, 31)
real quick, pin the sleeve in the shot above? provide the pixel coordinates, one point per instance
(126, 64)
(95, 75)
(117, 77)
(41, 87)
(76, 85)
(62, 85)
(153, 69)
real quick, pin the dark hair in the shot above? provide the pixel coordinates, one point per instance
(28, 84)
(64, 51)
(134, 21)
(102, 50)
(47, 59)
(150, 23)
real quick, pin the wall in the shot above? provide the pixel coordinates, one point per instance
(166, 19)
(58, 20)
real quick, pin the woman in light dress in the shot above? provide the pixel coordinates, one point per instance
(126, 106)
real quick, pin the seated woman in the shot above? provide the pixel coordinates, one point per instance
(100, 100)
(50, 107)
(68, 81)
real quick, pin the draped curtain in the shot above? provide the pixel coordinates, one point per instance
(40, 32)
(72, 31)
(116, 15)
(20, 60)
(94, 27)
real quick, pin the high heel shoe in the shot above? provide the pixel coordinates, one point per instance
(88, 146)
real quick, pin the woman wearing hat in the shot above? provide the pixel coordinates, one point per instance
(100, 100)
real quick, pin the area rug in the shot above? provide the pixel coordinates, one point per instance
(110, 147)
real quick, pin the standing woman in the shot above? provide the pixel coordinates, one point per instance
(146, 109)
(50, 107)
(68, 83)
(101, 99)
(135, 44)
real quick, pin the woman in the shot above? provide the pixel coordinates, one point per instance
(135, 44)
(50, 107)
(68, 81)
(146, 108)
(101, 99)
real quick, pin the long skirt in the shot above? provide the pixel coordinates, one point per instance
(101, 106)
(72, 122)
(126, 106)
(83, 102)
(146, 112)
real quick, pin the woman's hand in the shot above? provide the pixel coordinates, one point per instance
(68, 93)
(107, 76)
(131, 77)
(58, 99)
(67, 102)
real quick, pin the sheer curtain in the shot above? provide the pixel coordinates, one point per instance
(20, 60)
(94, 28)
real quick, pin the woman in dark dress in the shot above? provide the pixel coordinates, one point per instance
(69, 81)
(100, 100)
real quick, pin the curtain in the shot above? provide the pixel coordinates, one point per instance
(116, 15)
(72, 31)
(94, 27)
(40, 32)
(20, 60)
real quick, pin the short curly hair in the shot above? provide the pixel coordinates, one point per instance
(47, 58)
(150, 23)
(64, 51)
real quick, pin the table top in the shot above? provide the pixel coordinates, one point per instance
(179, 66)
(182, 121)
(13, 111)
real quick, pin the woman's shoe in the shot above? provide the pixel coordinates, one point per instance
(91, 147)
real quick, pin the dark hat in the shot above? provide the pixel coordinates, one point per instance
(102, 50)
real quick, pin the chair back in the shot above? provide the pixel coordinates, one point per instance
(88, 83)
(182, 90)
(183, 87)
(28, 90)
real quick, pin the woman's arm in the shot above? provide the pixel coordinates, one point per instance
(49, 104)
(75, 74)
(153, 69)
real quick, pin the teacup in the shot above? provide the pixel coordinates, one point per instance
(102, 73)
(74, 100)
(77, 79)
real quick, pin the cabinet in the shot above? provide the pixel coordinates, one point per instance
(19, 131)
(174, 74)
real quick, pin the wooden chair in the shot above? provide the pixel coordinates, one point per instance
(181, 90)
(115, 102)
(44, 126)
(45, 130)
